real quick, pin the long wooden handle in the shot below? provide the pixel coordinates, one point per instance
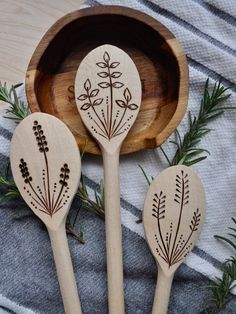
(113, 233)
(162, 293)
(65, 271)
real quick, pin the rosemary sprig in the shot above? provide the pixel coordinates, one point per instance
(149, 180)
(8, 185)
(222, 287)
(17, 112)
(97, 206)
(187, 150)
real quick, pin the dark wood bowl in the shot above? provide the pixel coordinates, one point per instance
(157, 54)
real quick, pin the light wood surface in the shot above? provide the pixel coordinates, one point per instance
(22, 25)
(158, 57)
(173, 216)
(46, 167)
(108, 96)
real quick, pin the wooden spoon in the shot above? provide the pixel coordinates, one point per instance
(108, 97)
(173, 216)
(46, 167)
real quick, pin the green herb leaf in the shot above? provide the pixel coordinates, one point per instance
(210, 108)
(17, 110)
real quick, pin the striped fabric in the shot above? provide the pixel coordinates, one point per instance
(28, 284)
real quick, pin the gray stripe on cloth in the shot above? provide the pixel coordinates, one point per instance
(93, 3)
(3, 161)
(5, 133)
(212, 74)
(217, 12)
(195, 64)
(207, 257)
(4, 310)
(169, 15)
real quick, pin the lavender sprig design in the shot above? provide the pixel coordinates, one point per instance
(113, 120)
(172, 247)
(45, 198)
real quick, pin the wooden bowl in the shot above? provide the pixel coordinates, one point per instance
(157, 54)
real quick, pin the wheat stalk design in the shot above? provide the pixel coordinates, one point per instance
(44, 198)
(173, 247)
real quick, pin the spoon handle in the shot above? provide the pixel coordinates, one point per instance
(162, 293)
(65, 271)
(113, 233)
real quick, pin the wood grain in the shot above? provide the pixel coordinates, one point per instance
(173, 217)
(22, 25)
(46, 169)
(158, 56)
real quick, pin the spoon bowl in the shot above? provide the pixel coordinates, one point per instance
(173, 216)
(108, 95)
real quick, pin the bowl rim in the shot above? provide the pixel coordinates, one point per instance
(32, 72)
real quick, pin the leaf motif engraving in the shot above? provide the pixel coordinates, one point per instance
(106, 57)
(87, 85)
(103, 74)
(121, 103)
(117, 84)
(97, 102)
(133, 106)
(113, 119)
(116, 74)
(82, 97)
(127, 95)
(94, 92)
(104, 84)
(85, 106)
(195, 220)
(102, 65)
(114, 65)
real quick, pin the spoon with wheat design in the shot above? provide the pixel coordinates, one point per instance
(173, 216)
(46, 167)
(108, 97)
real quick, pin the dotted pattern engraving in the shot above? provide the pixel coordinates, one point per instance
(172, 247)
(45, 198)
(113, 119)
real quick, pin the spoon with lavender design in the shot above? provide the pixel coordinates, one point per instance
(46, 167)
(108, 97)
(173, 216)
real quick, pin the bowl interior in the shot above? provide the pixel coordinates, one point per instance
(157, 65)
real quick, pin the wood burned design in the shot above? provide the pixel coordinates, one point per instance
(172, 247)
(46, 198)
(112, 119)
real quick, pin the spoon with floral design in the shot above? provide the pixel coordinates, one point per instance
(173, 216)
(46, 167)
(108, 97)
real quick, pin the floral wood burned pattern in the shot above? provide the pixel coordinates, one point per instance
(172, 247)
(114, 120)
(45, 198)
